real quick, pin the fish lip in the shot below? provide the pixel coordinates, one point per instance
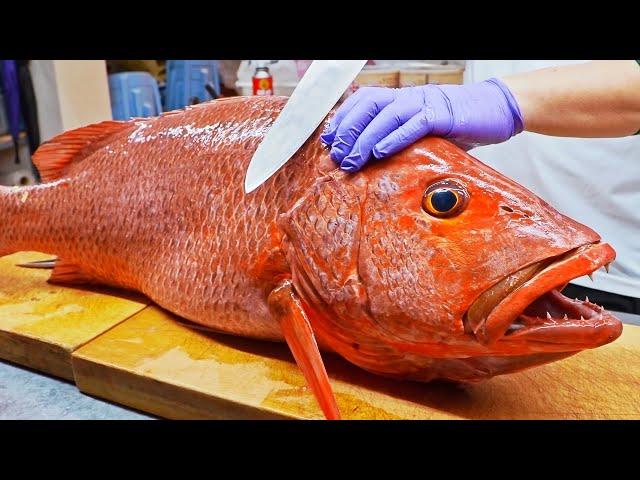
(508, 322)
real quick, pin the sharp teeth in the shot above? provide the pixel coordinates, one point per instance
(590, 275)
(586, 299)
(548, 316)
(565, 317)
(581, 317)
(515, 327)
(606, 267)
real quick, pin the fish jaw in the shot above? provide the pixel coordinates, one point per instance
(535, 316)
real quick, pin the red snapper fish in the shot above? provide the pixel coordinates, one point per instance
(428, 265)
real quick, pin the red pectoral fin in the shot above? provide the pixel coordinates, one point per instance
(297, 331)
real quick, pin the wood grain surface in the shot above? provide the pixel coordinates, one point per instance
(41, 324)
(157, 363)
(146, 358)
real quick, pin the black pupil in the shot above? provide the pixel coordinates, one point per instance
(443, 200)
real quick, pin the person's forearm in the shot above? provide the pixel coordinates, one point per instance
(594, 99)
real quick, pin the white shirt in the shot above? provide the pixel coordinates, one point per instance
(594, 181)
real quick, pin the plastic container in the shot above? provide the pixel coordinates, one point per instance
(302, 66)
(279, 88)
(186, 80)
(284, 73)
(374, 76)
(134, 94)
(416, 74)
(262, 81)
(377, 76)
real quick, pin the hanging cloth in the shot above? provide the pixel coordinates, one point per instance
(28, 105)
(11, 93)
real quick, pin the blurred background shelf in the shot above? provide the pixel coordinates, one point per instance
(7, 142)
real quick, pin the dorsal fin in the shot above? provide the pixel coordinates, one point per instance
(56, 154)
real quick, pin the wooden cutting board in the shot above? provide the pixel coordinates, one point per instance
(117, 349)
(41, 324)
(154, 363)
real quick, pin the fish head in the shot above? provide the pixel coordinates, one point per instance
(431, 254)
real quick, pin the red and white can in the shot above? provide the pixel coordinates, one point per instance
(262, 81)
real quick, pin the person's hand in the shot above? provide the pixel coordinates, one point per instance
(378, 122)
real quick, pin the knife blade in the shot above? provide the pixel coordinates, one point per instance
(318, 91)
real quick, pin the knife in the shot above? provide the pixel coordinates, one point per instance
(318, 91)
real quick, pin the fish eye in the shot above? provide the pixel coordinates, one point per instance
(445, 199)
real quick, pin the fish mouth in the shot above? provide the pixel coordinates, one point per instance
(527, 305)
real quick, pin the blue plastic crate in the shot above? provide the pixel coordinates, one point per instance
(186, 80)
(134, 94)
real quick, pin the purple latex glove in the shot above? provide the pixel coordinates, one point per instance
(378, 122)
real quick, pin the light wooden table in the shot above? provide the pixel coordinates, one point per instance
(42, 324)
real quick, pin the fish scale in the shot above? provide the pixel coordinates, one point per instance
(355, 264)
(160, 261)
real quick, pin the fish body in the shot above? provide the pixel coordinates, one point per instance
(365, 265)
(158, 207)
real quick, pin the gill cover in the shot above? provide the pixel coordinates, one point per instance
(323, 229)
